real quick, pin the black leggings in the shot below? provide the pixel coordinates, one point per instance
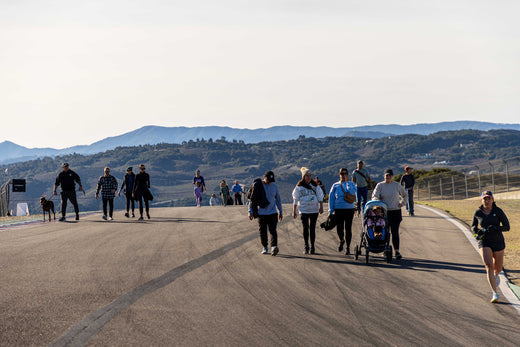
(147, 207)
(344, 224)
(309, 227)
(130, 201)
(394, 220)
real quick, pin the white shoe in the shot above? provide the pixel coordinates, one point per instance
(495, 297)
(265, 250)
(104, 217)
(110, 218)
(274, 250)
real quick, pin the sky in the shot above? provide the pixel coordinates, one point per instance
(74, 72)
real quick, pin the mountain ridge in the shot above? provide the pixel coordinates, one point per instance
(151, 134)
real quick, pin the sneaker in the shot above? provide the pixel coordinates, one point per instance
(62, 219)
(494, 298)
(497, 279)
(127, 215)
(148, 216)
(104, 217)
(265, 250)
(306, 250)
(274, 250)
(140, 218)
(347, 251)
(77, 217)
(313, 251)
(133, 215)
(340, 247)
(398, 255)
(110, 218)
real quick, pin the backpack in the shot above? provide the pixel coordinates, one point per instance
(256, 194)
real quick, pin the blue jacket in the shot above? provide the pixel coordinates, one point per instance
(336, 200)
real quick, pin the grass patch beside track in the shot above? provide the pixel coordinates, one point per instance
(464, 210)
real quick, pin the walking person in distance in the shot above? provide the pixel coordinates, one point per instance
(489, 221)
(141, 191)
(393, 195)
(362, 180)
(308, 200)
(107, 184)
(408, 181)
(68, 179)
(128, 186)
(342, 197)
(264, 201)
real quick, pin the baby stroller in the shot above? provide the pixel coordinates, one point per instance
(375, 236)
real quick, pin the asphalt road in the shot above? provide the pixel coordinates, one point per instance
(195, 276)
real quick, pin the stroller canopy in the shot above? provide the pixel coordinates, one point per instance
(374, 203)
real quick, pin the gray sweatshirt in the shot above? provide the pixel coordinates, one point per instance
(391, 194)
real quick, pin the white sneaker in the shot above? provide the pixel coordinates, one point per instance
(104, 217)
(274, 250)
(110, 218)
(265, 250)
(495, 297)
(497, 277)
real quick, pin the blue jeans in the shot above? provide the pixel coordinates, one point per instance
(362, 193)
(409, 205)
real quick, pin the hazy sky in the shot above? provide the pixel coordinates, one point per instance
(74, 72)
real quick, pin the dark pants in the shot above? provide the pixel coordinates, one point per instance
(110, 204)
(238, 198)
(409, 206)
(394, 220)
(269, 221)
(309, 227)
(146, 206)
(129, 201)
(344, 224)
(362, 195)
(71, 195)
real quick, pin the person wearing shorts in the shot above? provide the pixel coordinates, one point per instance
(489, 221)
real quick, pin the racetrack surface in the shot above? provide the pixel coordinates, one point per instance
(195, 276)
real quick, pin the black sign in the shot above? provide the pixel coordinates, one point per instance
(18, 186)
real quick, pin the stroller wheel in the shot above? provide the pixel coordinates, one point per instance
(356, 250)
(388, 256)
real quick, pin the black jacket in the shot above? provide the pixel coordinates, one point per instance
(67, 180)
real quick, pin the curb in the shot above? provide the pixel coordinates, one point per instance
(510, 291)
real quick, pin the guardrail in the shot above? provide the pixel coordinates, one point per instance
(497, 176)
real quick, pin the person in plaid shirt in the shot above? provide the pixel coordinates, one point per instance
(108, 186)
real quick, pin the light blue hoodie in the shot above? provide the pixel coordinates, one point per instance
(336, 200)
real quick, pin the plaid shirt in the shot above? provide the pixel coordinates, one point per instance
(108, 186)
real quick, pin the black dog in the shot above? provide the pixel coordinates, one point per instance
(47, 206)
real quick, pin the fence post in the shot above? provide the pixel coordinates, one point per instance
(479, 186)
(492, 176)
(429, 190)
(466, 184)
(507, 175)
(440, 186)
(453, 186)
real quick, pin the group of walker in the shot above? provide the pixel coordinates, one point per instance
(134, 186)
(381, 216)
(228, 196)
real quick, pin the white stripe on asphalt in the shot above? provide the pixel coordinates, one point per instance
(504, 287)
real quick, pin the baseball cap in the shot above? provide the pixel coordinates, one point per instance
(270, 176)
(65, 164)
(389, 172)
(486, 193)
(408, 168)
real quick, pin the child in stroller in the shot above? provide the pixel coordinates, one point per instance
(375, 237)
(375, 220)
